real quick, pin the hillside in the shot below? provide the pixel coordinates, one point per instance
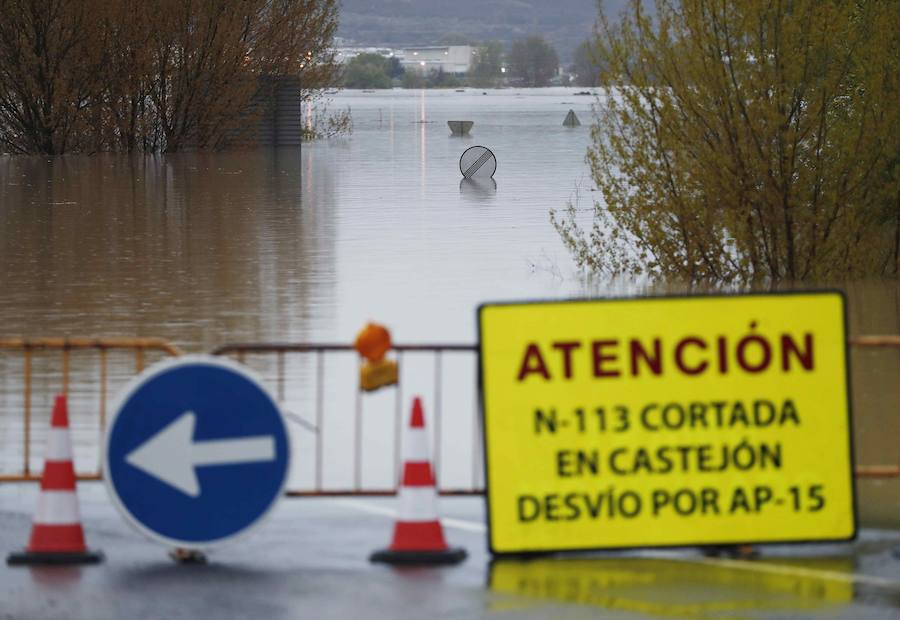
(565, 23)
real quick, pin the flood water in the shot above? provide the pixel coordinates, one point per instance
(306, 246)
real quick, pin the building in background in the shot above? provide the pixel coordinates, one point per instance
(343, 55)
(452, 59)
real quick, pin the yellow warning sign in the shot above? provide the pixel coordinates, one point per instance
(666, 421)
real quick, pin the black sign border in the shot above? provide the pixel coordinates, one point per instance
(786, 293)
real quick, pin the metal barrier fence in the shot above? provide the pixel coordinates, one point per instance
(64, 349)
(318, 352)
(275, 358)
(280, 350)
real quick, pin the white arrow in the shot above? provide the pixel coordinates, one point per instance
(171, 455)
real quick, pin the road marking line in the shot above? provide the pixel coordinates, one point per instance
(366, 507)
(458, 524)
(468, 526)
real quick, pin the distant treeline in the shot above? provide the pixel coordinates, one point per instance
(393, 23)
(531, 61)
(150, 75)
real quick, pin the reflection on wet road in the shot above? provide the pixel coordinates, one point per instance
(676, 589)
(311, 560)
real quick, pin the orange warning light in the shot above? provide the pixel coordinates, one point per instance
(372, 343)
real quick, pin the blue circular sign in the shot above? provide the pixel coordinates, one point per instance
(196, 451)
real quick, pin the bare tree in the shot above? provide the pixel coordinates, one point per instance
(48, 73)
(92, 75)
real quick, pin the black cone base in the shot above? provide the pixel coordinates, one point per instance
(452, 555)
(26, 558)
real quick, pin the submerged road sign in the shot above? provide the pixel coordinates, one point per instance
(196, 452)
(666, 421)
(477, 162)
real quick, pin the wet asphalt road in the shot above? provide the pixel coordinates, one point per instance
(310, 560)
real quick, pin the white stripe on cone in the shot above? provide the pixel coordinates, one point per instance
(416, 445)
(417, 504)
(57, 508)
(59, 448)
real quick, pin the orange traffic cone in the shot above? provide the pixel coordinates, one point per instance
(418, 535)
(56, 534)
